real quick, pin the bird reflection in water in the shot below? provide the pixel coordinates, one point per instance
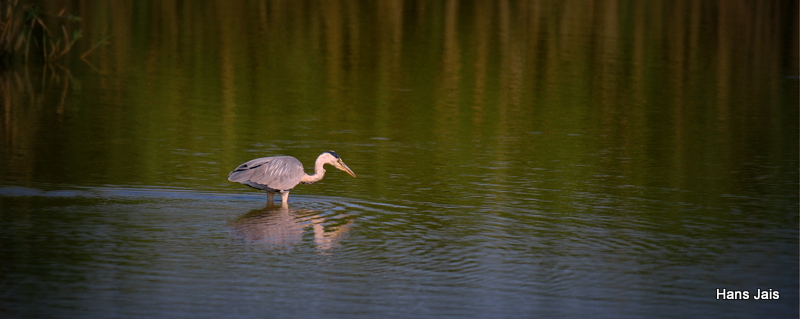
(281, 228)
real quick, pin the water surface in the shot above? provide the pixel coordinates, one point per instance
(514, 159)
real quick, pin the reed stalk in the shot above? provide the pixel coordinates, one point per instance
(23, 26)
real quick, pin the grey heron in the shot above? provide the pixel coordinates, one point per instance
(280, 174)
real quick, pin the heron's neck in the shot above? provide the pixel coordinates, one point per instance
(319, 173)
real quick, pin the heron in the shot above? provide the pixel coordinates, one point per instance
(280, 174)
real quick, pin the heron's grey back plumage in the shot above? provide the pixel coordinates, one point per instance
(277, 173)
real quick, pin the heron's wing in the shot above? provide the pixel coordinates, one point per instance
(278, 173)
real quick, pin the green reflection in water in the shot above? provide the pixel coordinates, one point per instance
(677, 118)
(433, 99)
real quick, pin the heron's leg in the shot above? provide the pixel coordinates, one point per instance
(269, 196)
(285, 198)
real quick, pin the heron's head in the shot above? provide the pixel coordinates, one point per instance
(332, 158)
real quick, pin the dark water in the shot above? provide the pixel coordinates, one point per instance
(514, 159)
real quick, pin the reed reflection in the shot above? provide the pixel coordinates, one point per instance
(278, 227)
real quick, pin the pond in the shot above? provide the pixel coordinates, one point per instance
(514, 159)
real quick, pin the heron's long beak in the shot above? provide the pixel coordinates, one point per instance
(342, 166)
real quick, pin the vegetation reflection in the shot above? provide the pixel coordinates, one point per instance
(660, 82)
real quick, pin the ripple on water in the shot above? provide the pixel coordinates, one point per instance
(322, 221)
(592, 248)
(283, 229)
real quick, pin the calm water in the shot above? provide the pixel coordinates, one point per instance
(514, 159)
